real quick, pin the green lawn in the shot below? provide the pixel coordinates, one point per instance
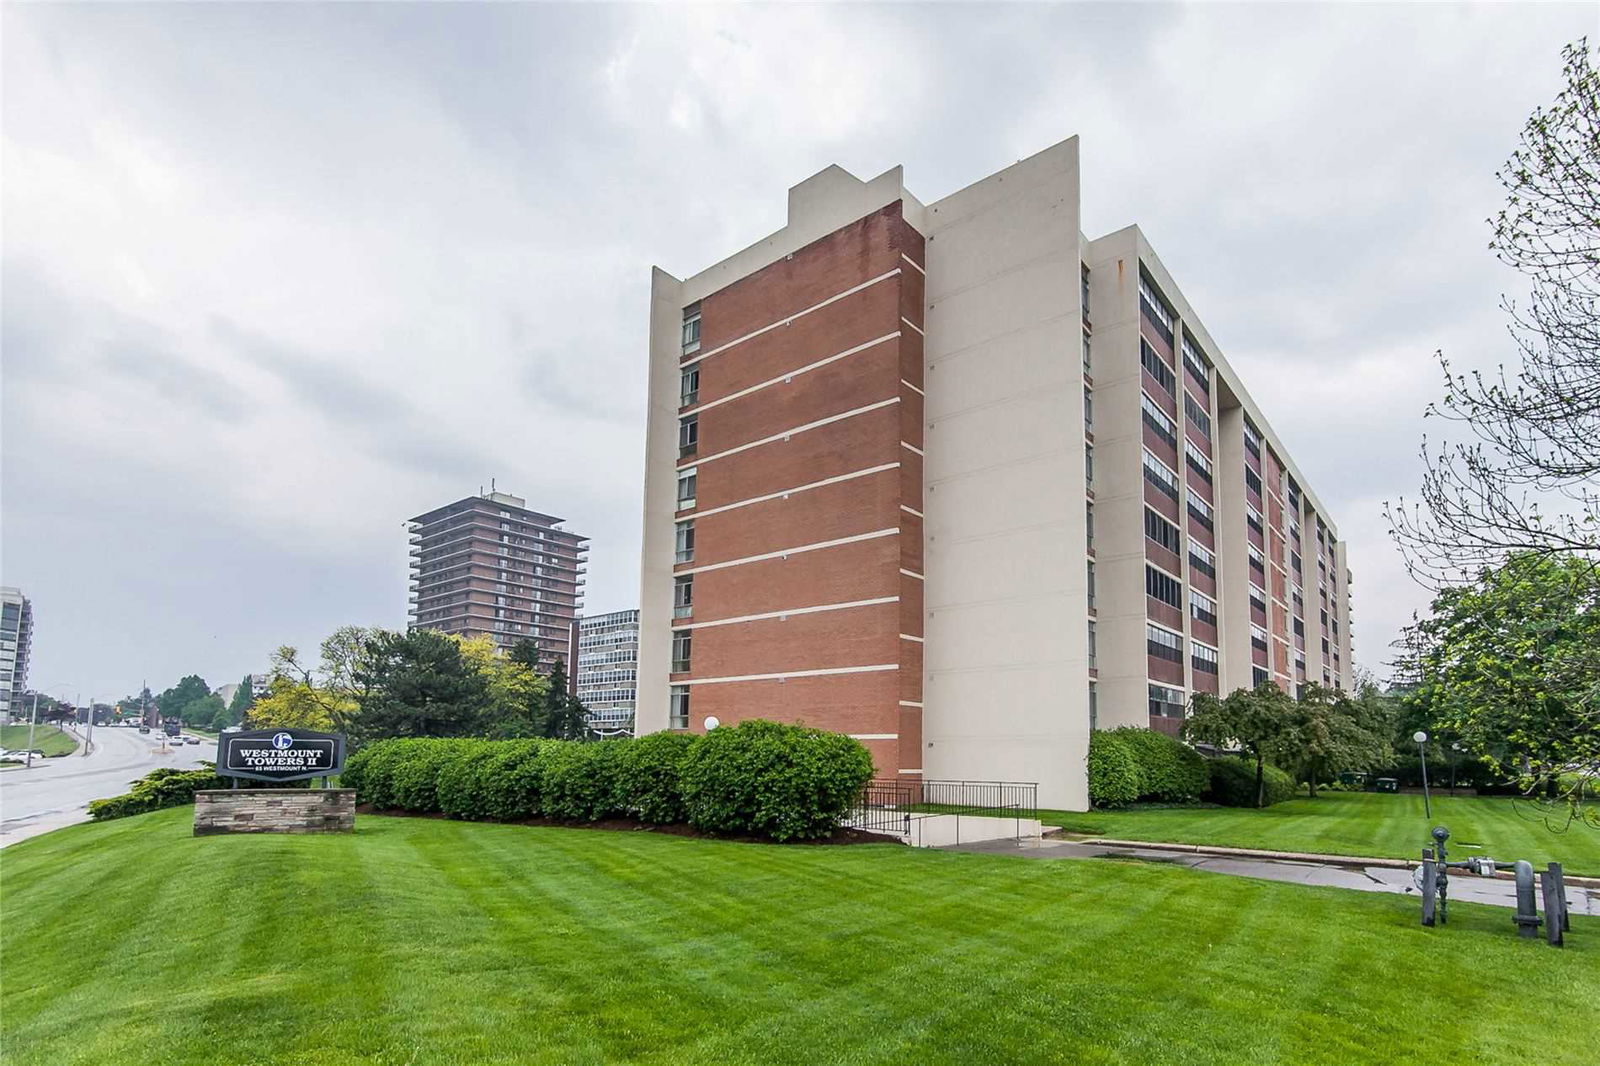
(47, 738)
(434, 942)
(1356, 823)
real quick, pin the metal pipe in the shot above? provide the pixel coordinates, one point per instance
(1527, 917)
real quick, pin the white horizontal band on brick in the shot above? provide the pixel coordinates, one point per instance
(910, 703)
(912, 387)
(790, 318)
(801, 549)
(913, 447)
(914, 265)
(789, 611)
(792, 373)
(908, 636)
(874, 736)
(918, 770)
(908, 573)
(786, 434)
(913, 325)
(836, 479)
(792, 673)
(911, 510)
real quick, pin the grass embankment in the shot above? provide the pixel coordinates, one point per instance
(428, 941)
(50, 739)
(1356, 823)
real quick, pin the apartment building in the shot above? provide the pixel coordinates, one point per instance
(608, 667)
(16, 643)
(488, 566)
(965, 484)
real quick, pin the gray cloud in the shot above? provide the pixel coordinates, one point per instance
(279, 276)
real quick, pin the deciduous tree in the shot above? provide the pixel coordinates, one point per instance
(1257, 720)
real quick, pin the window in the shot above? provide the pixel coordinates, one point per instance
(1088, 409)
(1163, 643)
(1157, 419)
(1091, 584)
(1299, 627)
(1258, 638)
(1155, 309)
(1198, 460)
(691, 329)
(1160, 475)
(1252, 481)
(1088, 522)
(680, 708)
(1258, 599)
(1197, 364)
(1202, 657)
(1258, 562)
(1202, 607)
(686, 487)
(1161, 531)
(1092, 648)
(688, 436)
(1088, 364)
(1084, 273)
(1259, 676)
(685, 542)
(683, 596)
(689, 386)
(1164, 587)
(1094, 705)
(682, 639)
(1295, 563)
(1252, 439)
(1166, 702)
(1197, 415)
(1157, 367)
(1202, 559)
(1252, 517)
(1199, 509)
(1088, 463)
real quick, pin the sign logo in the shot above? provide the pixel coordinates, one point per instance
(279, 754)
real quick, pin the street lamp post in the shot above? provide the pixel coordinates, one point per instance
(1422, 747)
(33, 723)
(1455, 756)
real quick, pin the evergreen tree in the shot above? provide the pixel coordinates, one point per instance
(563, 717)
(418, 684)
(243, 699)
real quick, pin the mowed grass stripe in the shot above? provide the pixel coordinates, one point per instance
(458, 943)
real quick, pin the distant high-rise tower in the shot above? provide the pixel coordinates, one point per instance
(608, 663)
(16, 637)
(488, 566)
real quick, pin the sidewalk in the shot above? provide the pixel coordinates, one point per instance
(1375, 875)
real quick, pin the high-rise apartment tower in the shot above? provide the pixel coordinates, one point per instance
(16, 643)
(487, 566)
(960, 482)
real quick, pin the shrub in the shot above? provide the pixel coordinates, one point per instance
(461, 782)
(160, 788)
(375, 767)
(1131, 763)
(416, 777)
(781, 781)
(1113, 771)
(649, 776)
(1233, 782)
(511, 779)
(578, 781)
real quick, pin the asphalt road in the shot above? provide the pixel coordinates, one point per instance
(56, 792)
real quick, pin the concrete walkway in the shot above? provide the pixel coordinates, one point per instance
(1464, 888)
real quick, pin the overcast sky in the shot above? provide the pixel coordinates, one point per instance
(278, 277)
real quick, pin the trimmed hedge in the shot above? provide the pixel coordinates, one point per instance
(1131, 764)
(780, 781)
(160, 788)
(1233, 782)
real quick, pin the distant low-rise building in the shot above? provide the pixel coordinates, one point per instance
(608, 668)
(16, 641)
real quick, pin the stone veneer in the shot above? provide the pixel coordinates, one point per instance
(275, 810)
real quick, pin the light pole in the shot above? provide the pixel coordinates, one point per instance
(1455, 756)
(1422, 747)
(33, 723)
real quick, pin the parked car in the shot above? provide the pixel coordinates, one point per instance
(191, 740)
(144, 729)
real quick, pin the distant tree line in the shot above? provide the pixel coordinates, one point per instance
(372, 683)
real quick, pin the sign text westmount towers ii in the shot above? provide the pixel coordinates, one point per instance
(965, 484)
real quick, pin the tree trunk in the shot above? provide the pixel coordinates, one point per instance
(1261, 784)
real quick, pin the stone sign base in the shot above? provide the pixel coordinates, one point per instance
(275, 810)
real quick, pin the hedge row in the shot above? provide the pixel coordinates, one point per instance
(1130, 764)
(161, 787)
(1233, 782)
(779, 781)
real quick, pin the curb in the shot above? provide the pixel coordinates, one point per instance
(1300, 856)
